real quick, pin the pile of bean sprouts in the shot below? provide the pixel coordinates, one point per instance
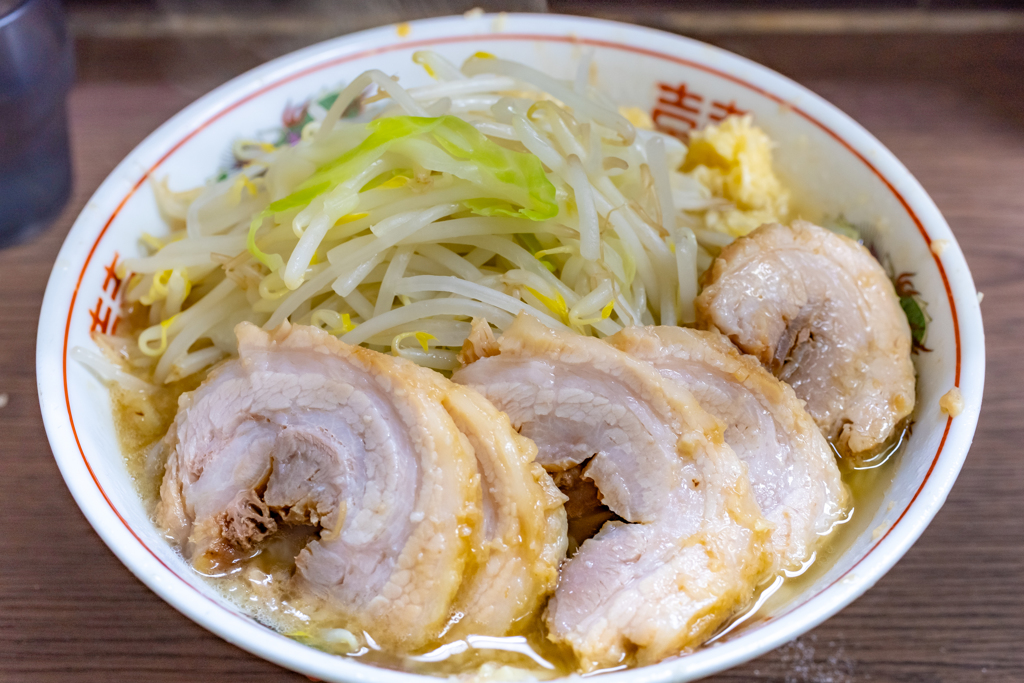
(494, 190)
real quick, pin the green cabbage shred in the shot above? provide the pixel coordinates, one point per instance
(512, 183)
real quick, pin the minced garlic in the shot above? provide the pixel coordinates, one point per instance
(734, 161)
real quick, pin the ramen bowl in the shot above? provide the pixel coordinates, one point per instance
(833, 166)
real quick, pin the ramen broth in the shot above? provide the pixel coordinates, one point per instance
(251, 581)
(868, 483)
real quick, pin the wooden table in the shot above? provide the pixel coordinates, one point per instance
(951, 107)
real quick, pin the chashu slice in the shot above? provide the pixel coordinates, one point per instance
(302, 429)
(523, 537)
(818, 310)
(792, 470)
(691, 549)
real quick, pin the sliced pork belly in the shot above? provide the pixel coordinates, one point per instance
(820, 312)
(523, 536)
(792, 469)
(302, 429)
(691, 548)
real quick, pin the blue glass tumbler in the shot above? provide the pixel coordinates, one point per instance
(36, 73)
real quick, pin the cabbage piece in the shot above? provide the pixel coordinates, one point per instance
(492, 207)
(383, 133)
(512, 183)
(517, 177)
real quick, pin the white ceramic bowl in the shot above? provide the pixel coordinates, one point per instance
(833, 164)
